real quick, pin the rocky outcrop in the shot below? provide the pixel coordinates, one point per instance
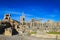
(7, 29)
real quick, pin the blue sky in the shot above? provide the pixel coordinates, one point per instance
(46, 9)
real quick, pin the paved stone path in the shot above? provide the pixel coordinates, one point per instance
(16, 37)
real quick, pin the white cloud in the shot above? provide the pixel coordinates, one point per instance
(12, 12)
(52, 15)
(29, 16)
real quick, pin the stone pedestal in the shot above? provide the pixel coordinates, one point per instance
(8, 32)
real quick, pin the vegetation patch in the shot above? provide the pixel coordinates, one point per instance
(30, 33)
(53, 32)
(33, 33)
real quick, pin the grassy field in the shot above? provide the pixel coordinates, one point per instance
(53, 32)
